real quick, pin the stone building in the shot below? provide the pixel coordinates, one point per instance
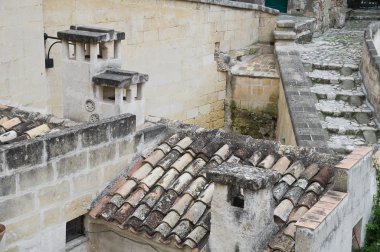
(115, 176)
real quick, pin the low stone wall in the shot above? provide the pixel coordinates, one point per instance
(48, 181)
(370, 65)
(254, 105)
(330, 227)
(301, 102)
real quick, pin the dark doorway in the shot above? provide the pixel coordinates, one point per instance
(281, 5)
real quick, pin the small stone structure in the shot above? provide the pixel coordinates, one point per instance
(93, 85)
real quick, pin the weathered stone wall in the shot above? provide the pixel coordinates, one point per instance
(334, 233)
(370, 65)
(254, 105)
(23, 80)
(174, 42)
(284, 129)
(328, 13)
(48, 181)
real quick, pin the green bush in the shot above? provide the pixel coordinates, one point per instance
(372, 238)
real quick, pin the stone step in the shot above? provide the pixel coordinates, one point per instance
(334, 77)
(342, 108)
(304, 37)
(342, 68)
(335, 92)
(344, 143)
(344, 126)
(284, 35)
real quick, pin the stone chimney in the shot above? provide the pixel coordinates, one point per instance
(242, 207)
(94, 86)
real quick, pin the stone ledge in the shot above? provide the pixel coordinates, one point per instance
(316, 215)
(238, 5)
(244, 176)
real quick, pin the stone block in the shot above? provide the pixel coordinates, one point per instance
(52, 216)
(77, 207)
(23, 230)
(71, 164)
(61, 144)
(127, 147)
(7, 185)
(88, 181)
(36, 176)
(16, 206)
(123, 127)
(114, 169)
(102, 155)
(95, 134)
(25, 154)
(53, 194)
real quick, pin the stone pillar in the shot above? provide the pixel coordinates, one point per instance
(117, 49)
(65, 49)
(93, 52)
(242, 208)
(79, 51)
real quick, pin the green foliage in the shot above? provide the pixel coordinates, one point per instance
(372, 238)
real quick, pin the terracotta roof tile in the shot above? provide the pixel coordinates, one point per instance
(268, 162)
(181, 182)
(297, 213)
(153, 177)
(182, 203)
(152, 197)
(195, 166)
(323, 176)
(142, 172)
(308, 200)
(169, 159)
(123, 213)
(310, 171)
(182, 162)
(315, 187)
(166, 201)
(295, 169)
(197, 234)
(294, 194)
(155, 157)
(195, 212)
(126, 188)
(283, 210)
(281, 165)
(282, 242)
(168, 178)
(168, 197)
(255, 158)
(172, 218)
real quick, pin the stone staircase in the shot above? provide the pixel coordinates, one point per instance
(345, 113)
(365, 14)
(300, 29)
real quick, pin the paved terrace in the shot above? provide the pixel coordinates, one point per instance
(332, 62)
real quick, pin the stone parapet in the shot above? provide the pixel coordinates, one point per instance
(370, 65)
(301, 101)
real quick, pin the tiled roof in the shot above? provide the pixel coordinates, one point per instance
(167, 196)
(17, 125)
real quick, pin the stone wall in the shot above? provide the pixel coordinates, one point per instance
(328, 13)
(370, 65)
(284, 129)
(333, 232)
(23, 80)
(174, 42)
(50, 180)
(254, 105)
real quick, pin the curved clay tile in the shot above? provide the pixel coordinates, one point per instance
(323, 176)
(310, 171)
(281, 165)
(268, 162)
(308, 200)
